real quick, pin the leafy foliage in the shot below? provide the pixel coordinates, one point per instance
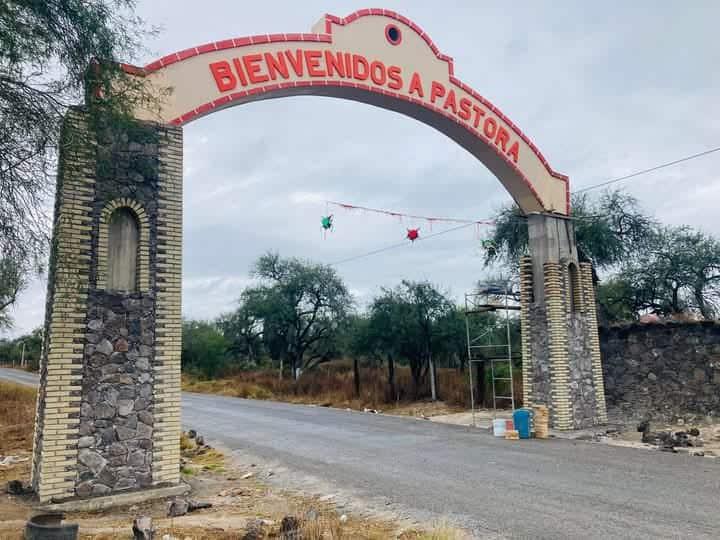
(243, 331)
(204, 348)
(616, 300)
(46, 48)
(299, 309)
(12, 280)
(406, 322)
(11, 351)
(606, 230)
(677, 272)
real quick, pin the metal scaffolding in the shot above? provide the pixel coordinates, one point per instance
(482, 348)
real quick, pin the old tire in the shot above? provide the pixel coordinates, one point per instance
(50, 527)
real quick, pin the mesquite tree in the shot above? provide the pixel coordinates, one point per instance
(302, 308)
(46, 48)
(607, 230)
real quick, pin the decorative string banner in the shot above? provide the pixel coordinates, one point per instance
(430, 220)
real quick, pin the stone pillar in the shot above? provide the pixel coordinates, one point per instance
(108, 412)
(590, 306)
(561, 355)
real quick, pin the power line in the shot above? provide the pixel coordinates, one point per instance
(402, 244)
(651, 169)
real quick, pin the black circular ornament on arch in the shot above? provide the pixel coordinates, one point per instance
(393, 34)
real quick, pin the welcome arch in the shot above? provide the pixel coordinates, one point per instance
(374, 56)
(108, 415)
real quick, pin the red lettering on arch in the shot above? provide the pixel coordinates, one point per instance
(312, 59)
(360, 62)
(416, 85)
(502, 138)
(465, 106)
(252, 68)
(333, 63)
(437, 90)
(394, 74)
(276, 64)
(223, 75)
(378, 73)
(478, 113)
(296, 61)
(248, 69)
(489, 128)
(450, 102)
(514, 150)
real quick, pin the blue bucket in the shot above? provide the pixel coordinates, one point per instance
(522, 418)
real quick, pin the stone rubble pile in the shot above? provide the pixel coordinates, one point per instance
(668, 440)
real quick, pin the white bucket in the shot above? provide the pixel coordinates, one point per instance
(499, 427)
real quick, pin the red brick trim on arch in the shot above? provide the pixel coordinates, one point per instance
(331, 20)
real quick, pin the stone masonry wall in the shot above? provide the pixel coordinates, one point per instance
(115, 445)
(115, 448)
(540, 375)
(663, 371)
(582, 388)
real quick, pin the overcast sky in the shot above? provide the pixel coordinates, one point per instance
(602, 88)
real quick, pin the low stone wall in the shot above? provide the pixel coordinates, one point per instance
(662, 370)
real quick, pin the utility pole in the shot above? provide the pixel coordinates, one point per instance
(22, 356)
(433, 390)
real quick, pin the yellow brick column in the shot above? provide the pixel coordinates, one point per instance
(526, 298)
(168, 334)
(592, 325)
(58, 406)
(558, 345)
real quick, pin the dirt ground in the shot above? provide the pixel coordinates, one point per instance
(242, 505)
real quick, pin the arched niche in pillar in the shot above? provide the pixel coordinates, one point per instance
(123, 243)
(123, 247)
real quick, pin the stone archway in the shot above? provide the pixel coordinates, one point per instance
(108, 417)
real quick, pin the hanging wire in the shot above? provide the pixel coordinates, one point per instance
(402, 244)
(646, 171)
(467, 223)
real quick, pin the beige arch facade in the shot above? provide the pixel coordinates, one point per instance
(108, 415)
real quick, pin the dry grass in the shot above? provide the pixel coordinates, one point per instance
(17, 417)
(200, 458)
(332, 384)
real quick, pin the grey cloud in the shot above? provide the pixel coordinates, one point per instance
(602, 88)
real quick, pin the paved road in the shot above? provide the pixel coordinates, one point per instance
(529, 489)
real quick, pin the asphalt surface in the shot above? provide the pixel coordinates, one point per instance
(502, 489)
